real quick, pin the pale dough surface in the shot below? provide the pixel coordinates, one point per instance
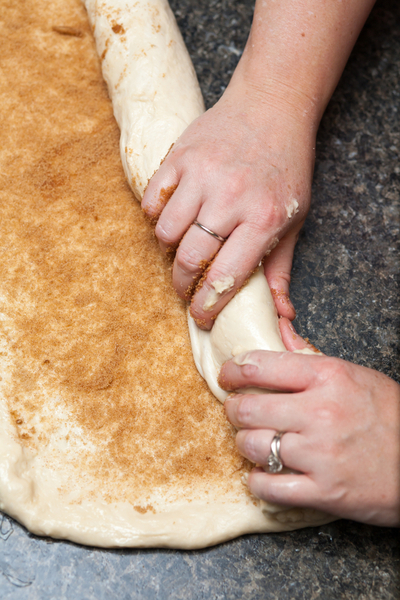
(108, 435)
(248, 322)
(150, 78)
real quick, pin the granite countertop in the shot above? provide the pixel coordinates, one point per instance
(344, 287)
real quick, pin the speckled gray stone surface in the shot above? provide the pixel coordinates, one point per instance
(345, 288)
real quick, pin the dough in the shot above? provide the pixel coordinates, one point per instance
(150, 78)
(108, 435)
(248, 322)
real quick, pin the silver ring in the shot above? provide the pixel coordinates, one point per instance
(217, 237)
(275, 464)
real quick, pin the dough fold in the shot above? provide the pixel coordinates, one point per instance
(248, 322)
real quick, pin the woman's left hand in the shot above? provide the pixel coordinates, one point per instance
(243, 170)
(341, 424)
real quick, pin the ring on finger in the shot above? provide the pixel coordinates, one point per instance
(215, 235)
(275, 464)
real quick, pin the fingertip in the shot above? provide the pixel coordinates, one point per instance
(282, 301)
(279, 286)
(256, 482)
(203, 321)
(223, 381)
(228, 407)
(200, 322)
(290, 337)
(159, 190)
(277, 268)
(253, 475)
(292, 340)
(229, 399)
(153, 205)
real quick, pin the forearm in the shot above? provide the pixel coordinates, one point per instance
(296, 52)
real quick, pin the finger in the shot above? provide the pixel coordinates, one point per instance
(255, 444)
(196, 250)
(277, 268)
(160, 189)
(280, 412)
(282, 371)
(292, 340)
(193, 256)
(178, 215)
(288, 490)
(236, 260)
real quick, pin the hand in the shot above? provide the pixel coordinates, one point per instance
(244, 170)
(342, 423)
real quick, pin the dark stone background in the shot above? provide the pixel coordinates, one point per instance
(345, 289)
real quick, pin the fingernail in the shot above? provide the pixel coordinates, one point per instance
(292, 329)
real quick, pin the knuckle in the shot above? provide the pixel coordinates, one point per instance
(262, 228)
(330, 369)
(209, 166)
(244, 411)
(329, 414)
(283, 279)
(269, 214)
(249, 372)
(249, 446)
(329, 450)
(271, 494)
(237, 184)
(264, 220)
(220, 272)
(164, 234)
(188, 259)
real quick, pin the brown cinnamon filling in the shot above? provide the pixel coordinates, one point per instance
(92, 318)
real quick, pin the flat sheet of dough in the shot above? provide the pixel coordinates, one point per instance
(108, 435)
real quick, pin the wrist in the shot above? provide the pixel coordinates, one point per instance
(274, 106)
(285, 98)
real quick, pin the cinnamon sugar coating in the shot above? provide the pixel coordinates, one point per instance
(91, 316)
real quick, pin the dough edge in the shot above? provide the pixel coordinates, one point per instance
(198, 524)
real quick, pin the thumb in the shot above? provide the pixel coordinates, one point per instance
(277, 269)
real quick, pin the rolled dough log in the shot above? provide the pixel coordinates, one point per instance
(248, 322)
(150, 78)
